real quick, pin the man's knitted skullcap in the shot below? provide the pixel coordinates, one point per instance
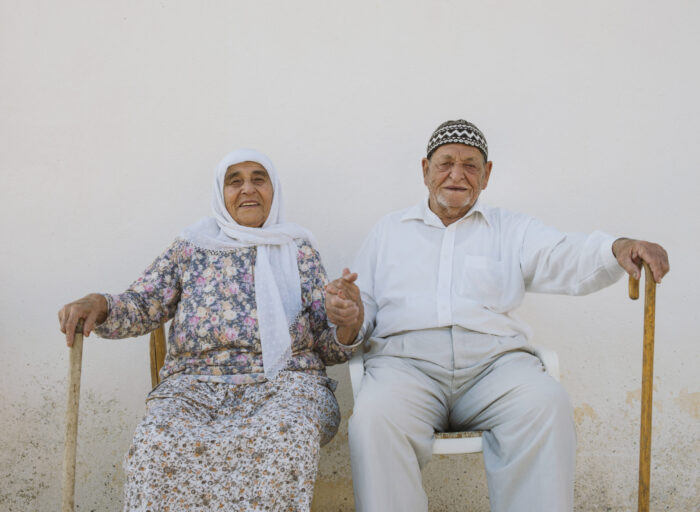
(460, 132)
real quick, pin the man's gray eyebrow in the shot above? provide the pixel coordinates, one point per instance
(467, 159)
(450, 157)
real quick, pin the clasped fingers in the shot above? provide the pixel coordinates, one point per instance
(342, 312)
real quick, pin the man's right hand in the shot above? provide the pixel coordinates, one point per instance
(92, 309)
(631, 253)
(344, 306)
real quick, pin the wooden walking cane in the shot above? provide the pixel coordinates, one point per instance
(647, 383)
(74, 370)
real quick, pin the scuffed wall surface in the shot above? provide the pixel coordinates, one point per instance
(112, 116)
(32, 465)
(605, 480)
(33, 426)
(606, 461)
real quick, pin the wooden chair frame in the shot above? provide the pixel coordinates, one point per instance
(157, 351)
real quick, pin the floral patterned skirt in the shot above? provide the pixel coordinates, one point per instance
(219, 446)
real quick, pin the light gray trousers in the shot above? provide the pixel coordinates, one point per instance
(453, 379)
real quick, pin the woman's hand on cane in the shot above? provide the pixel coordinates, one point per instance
(92, 309)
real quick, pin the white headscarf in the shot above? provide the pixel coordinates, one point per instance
(277, 283)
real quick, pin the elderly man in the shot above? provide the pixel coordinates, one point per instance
(434, 295)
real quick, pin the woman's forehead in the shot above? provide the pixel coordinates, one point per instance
(246, 168)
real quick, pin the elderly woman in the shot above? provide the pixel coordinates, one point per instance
(244, 403)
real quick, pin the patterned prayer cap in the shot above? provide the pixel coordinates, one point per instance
(460, 132)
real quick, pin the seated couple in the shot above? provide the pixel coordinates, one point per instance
(245, 404)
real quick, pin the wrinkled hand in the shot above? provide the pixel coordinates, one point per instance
(630, 254)
(344, 306)
(92, 309)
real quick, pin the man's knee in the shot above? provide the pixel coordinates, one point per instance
(548, 403)
(371, 410)
(385, 414)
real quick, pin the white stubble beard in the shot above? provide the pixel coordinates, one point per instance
(443, 202)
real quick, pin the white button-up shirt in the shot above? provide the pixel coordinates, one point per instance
(416, 273)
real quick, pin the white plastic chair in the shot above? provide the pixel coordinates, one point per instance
(453, 442)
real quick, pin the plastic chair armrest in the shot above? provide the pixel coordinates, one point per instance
(356, 365)
(549, 359)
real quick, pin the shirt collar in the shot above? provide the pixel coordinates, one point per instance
(422, 212)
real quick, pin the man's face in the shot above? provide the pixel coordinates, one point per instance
(455, 175)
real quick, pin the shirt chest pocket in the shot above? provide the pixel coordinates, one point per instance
(482, 280)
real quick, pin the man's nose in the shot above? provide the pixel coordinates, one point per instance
(456, 172)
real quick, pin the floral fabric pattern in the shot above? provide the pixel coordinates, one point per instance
(210, 295)
(217, 435)
(212, 446)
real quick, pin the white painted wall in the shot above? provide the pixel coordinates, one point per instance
(113, 114)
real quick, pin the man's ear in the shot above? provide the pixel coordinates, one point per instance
(487, 173)
(425, 163)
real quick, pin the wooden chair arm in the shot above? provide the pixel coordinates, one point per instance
(157, 351)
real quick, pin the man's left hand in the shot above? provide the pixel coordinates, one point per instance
(630, 254)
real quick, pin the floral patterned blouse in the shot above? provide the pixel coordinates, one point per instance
(210, 295)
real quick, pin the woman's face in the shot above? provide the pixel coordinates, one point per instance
(248, 193)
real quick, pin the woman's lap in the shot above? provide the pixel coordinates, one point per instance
(202, 445)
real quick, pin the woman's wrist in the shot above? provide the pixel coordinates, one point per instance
(101, 305)
(347, 335)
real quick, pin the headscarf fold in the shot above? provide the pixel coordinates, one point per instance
(277, 282)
